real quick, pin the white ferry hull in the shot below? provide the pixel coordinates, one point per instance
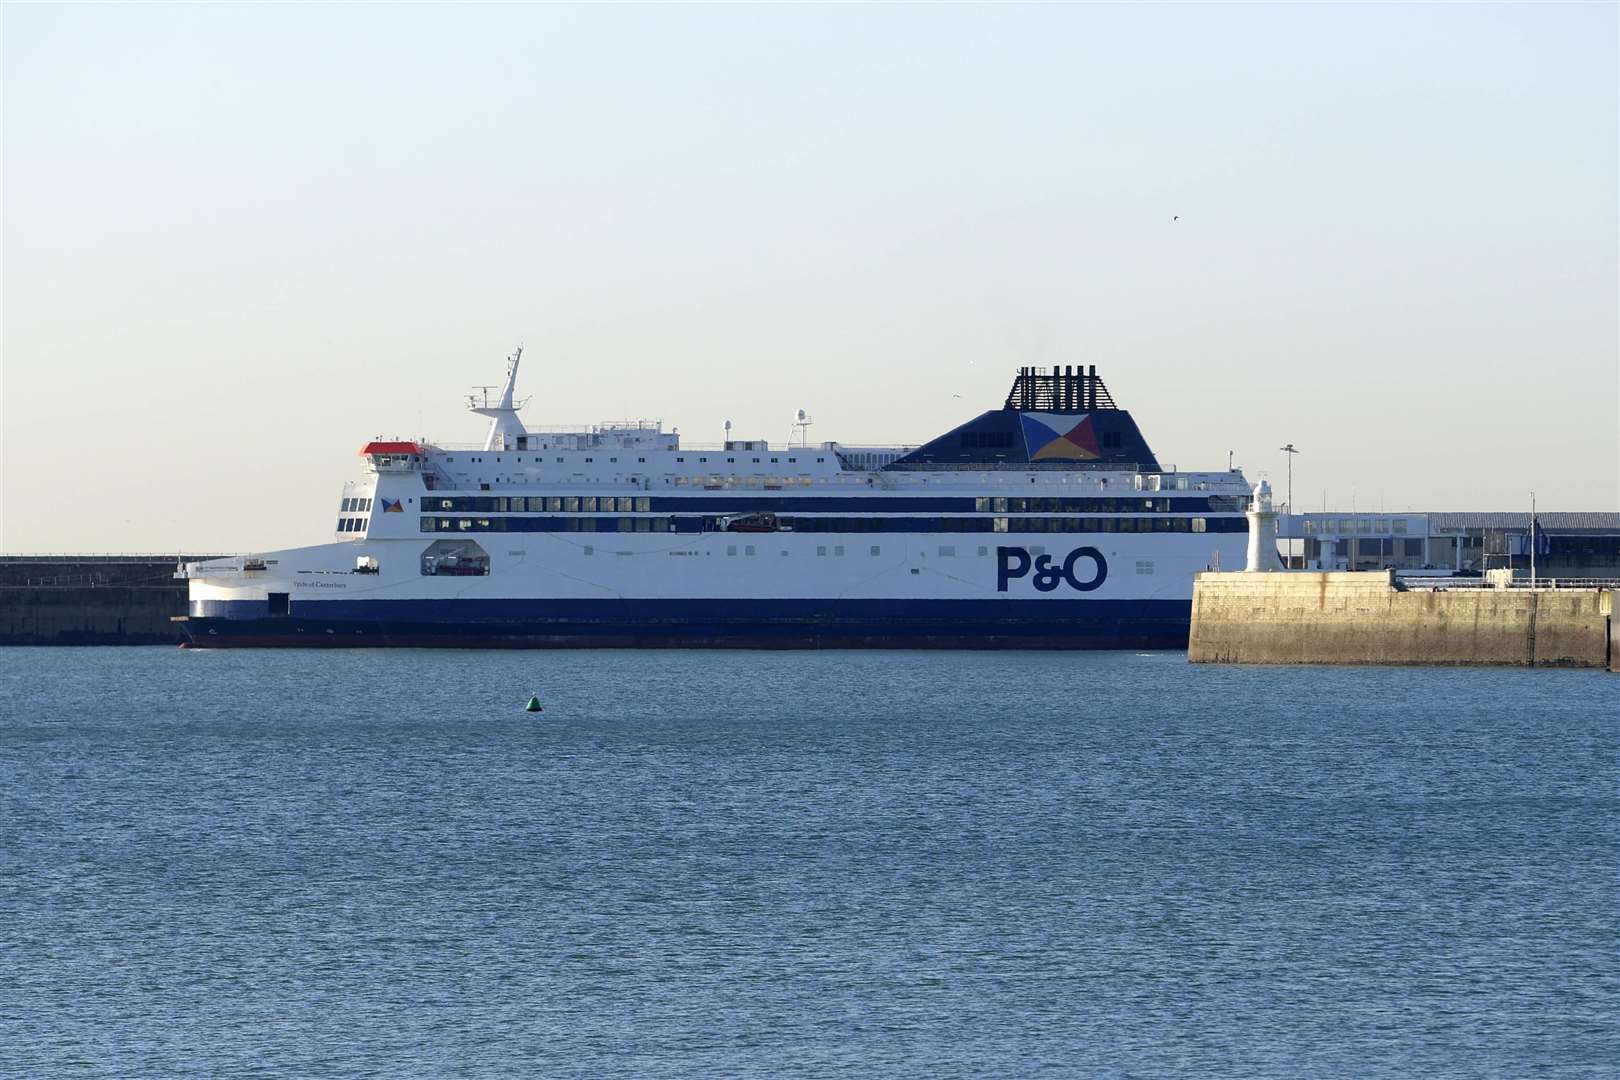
(727, 590)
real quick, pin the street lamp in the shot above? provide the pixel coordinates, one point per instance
(1290, 451)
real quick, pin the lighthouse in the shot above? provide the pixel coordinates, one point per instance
(1262, 532)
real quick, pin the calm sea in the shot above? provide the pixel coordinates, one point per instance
(344, 864)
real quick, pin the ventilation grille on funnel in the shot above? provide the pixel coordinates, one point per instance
(1066, 389)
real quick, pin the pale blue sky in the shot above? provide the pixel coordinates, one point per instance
(240, 240)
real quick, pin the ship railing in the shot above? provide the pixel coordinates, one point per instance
(103, 556)
(1424, 583)
(1025, 466)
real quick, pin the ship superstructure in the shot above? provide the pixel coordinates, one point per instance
(1045, 523)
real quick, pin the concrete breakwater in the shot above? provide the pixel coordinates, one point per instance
(90, 600)
(1306, 617)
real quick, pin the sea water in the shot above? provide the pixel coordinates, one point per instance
(375, 863)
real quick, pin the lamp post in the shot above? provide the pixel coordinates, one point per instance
(1290, 451)
(1532, 541)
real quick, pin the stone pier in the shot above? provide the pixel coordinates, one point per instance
(1307, 617)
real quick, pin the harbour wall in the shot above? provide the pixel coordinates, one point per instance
(1303, 617)
(90, 600)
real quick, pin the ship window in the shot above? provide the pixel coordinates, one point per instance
(731, 549)
(1363, 526)
(642, 460)
(589, 460)
(627, 505)
(1144, 566)
(876, 550)
(821, 549)
(1383, 525)
(340, 524)
(1398, 525)
(748, 549)
(731, 460)
(983, 551)
(1199, 525)
(559, 461)
(588, 504)
(427, 524)
(1308, 525)
(1000, 524)
(613, 461)
(554, 504)
(571, 504)
(643, 503)
(703, 460)
(589, 550)
(947, 551)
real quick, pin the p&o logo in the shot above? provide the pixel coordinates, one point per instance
(1015, 562)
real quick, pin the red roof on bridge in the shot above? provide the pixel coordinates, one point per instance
(392, 448)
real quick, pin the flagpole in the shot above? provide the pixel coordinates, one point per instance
(1532, 541)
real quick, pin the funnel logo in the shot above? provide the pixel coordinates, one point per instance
(1058, 437)
(391, 506)
(1015, 562)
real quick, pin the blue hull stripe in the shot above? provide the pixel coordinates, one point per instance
(743, 623)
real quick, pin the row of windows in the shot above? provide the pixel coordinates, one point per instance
(840, 525)
(351, 505)
(1384, 548)
(589, 504)
(1215, 503)
(352, 524)
(451, 458)
(569, 504)
(1350, 526)
(1006, 440)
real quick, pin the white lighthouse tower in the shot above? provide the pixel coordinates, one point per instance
(1262, 532)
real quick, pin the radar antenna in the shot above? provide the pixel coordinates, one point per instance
(801, 428)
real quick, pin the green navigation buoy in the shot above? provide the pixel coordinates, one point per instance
(533, 705)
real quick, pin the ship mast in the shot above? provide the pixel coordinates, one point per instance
(504, 425)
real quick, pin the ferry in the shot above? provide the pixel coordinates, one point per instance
(1046, 523)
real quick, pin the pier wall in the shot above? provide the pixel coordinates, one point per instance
(112, 600)
(1361, 618)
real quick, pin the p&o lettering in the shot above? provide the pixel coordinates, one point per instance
(1013, 563)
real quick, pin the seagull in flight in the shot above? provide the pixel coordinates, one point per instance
(1176, 217)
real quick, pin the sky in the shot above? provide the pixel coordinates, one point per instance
(241, 240)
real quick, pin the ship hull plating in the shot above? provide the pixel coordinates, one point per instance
(755, 624)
